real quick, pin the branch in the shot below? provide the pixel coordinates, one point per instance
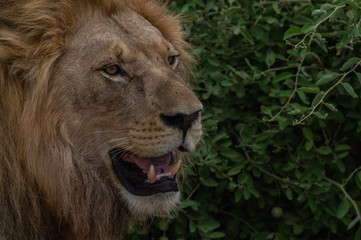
(303, 118)
(341, 187)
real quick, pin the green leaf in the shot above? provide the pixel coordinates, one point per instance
(276, 8)
(238, 195)
(253, 191)
(316, 99)
(235, 170)
(312, 205)
(326, 6)
(297, 229)
(343, 155)
(190, 203)
(347, 36)
(266, 110)
(320, 115)
(219, 136)
(301, 197)
(331, 107)
(353, 223)
(327, 78)
(358, 234)
(308, 145)
(192, 227)
(209, 182)
(282, 76)
(359, 77)
(342, 147)
(246, 194)
(163, 225)
(217, 235)
(271, 20)
(340, 166)
(303, 97)
(295, 111)
(227, 83)
(309, 89)
(343, 208)
(230, 153)
(270, 58)
(307, 133)
(357, 30)
(214, 62)
(324, 150)
(208, 224)
(307, 28)
(318, 12)
(348, 64)
(245, 33)
(349, 90)
(293, 31)
(289, 194)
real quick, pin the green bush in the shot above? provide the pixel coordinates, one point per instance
(281, 153)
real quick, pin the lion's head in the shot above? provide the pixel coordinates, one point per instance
(103, 111)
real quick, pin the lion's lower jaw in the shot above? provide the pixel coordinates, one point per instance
(160, 204)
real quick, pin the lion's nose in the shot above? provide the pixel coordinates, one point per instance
(180, 120)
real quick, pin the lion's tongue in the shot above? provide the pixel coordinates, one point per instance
(160, 162)
(155, 167)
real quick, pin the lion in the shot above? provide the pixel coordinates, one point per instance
(96, 111)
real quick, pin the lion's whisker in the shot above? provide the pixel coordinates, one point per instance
(123, 141)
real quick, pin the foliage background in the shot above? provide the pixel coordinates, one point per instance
(281, 152)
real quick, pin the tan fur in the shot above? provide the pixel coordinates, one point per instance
(60, 113)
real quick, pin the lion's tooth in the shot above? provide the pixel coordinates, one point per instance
(159, 176)
(151, 174)
(175, 167)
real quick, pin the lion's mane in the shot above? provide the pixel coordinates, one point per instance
(33, 35)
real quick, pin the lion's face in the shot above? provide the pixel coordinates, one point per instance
(129, 108)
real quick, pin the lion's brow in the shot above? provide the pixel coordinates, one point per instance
(118, 51)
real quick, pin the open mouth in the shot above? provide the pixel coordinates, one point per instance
(145, 176)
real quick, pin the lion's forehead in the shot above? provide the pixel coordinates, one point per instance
(127, 31)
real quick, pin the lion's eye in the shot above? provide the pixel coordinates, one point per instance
(172, 60)
(113, 70)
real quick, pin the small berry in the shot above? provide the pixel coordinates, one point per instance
(277, 212)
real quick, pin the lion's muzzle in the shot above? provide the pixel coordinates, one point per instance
(181, 121)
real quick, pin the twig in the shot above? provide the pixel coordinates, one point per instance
(317, 25)
(193, 191)
(351, 175)
(341, 187)
(240, 219)
(312, 33)
(267, 172)
(303, 118)
(281, 1)
(292, 94)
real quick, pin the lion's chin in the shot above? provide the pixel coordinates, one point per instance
(160, 204)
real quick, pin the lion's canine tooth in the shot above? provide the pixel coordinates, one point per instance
(151, 174)
(175, 167)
